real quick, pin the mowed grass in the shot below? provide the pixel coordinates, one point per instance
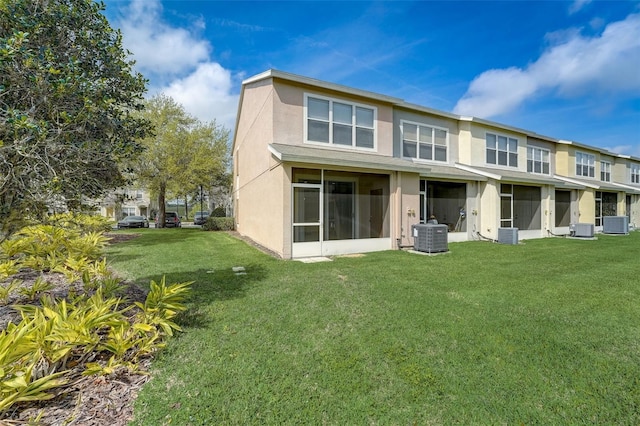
(545, 332)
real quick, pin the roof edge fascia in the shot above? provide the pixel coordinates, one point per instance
(576, 181)
(274, 152)
(325, 161)
(281, 75)
(476, 171)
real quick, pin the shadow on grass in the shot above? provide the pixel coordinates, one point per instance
(153, 236)
(211, 286)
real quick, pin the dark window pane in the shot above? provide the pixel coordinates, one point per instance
(410, 132)
(426, 151)
(502, 143)
(318, 108)
(502, 158)
(441, 153)
(364, 117)
(306, 234)
(491, 141)
(364, 137)
(409, 149)
(491, 156)
(318, 131)
(342, 113)
(341, 134)
(513, 160)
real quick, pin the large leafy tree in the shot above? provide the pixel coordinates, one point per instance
(182, 154)
(68, 98)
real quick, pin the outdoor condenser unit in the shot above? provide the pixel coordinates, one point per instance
(615, 225)
(430, 238)
(583, 230)
(508, 235)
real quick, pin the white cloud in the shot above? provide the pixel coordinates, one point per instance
(157, 47)
(177, 62)
(577, 5)
(607, 64)
(206, 94)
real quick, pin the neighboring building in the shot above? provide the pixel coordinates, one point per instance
(324, 169)
(125, 202)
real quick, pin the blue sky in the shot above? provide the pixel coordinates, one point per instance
(565, 69)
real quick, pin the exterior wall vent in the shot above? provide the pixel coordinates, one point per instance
(508, 235)
(583, 230)
(615, 225)
(430, 238)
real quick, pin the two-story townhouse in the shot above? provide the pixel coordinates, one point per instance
(604, 178)
(627, 170)
(125, 202)
(324, 169)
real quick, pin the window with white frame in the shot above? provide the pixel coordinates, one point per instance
(340, 123)
(502, 150)
(424, 142)
(605, 171)
(537, 160)
(635, 173)
(585, 164)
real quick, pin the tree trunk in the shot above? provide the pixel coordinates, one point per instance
(161, 205)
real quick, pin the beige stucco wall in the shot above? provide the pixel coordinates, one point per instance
(289, 119)
(464, 142)
(635, 211)
(586, 206)
(562, 160)
(405, 188)
(262, 205)
(547, 207)
(489, 208)
(258, 180)
(620, 171)
(477, 146)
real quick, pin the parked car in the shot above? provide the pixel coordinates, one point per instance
(133, 222)
(171, 220)
(200, 218)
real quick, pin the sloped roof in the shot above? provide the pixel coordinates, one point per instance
(349, 158)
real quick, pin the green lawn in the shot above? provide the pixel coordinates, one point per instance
(545, 332)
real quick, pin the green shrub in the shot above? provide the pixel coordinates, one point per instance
(36, 353)
(219, 224)
(219, 212)
(85, 223)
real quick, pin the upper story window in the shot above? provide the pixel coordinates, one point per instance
(424, 142)
(537, 160)
(585, 164)
(605, 171)
(635, 173)
(340, 123)
(502, 150)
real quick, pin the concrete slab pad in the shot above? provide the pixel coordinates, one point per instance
(313, 259)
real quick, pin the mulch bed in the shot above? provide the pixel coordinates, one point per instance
(89, 400)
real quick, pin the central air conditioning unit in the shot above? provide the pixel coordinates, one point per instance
(430, 238)
(508, 235)
(583, 230)
(615, 225)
